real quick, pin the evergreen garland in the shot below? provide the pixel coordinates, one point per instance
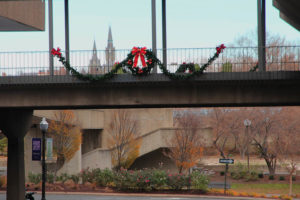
(186, 66)
(254, 68)
(149, 60)
(176, 76)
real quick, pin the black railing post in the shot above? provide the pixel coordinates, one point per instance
(164, 32)
(261, 28)
(67, 38)
(50, 16)
(153, 9)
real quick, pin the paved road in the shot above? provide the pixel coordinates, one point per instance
(94, 197)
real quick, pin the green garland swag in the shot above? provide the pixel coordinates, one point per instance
(148, 59)
(254, 68)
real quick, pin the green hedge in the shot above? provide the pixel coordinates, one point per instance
(240, 171)
(145, 180)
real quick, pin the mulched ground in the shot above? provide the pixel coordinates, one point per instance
(218, 178)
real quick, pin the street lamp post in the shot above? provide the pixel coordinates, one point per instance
(247, 123)
(43, 127)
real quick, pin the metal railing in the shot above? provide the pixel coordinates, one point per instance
(233, 59)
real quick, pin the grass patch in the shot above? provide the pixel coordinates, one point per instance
(266, 188)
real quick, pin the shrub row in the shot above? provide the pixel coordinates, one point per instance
(37, 178)
(147, 179)
(240, 171)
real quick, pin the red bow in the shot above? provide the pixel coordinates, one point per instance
(56, 52)
(139, 52)
(220, 48)
(140, 71)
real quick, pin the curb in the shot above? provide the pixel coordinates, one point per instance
(146, 195)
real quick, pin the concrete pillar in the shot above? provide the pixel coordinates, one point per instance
(14, 124)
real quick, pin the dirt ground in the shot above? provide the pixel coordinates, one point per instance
(218, 178)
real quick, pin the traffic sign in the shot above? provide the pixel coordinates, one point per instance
(226, 161)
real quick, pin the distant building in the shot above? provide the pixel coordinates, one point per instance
(95, 65)
(110, 51)
(57, 71)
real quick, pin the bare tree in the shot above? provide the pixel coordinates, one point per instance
(225, 123)
(187, 144)
(288, 157)
(280, 55)
(266, 135)
(124, 141)
(243, 137)
(290, 142)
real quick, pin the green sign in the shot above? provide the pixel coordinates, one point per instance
(49, 150)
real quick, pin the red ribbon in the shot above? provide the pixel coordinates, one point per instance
(220, 48)
(56, 52)
(139, 52)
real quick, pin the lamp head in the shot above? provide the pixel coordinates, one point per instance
(44, 124)
(247, 122)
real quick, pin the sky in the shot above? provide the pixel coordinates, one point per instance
(190, 24)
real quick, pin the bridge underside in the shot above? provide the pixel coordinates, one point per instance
(156, 90)
(155, 159)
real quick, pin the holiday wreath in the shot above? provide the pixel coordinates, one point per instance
(148, 60)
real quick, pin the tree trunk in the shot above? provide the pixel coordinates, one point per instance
(270, 167)
(291, 184)
(59, 163)
(242, 153)
(180, 169)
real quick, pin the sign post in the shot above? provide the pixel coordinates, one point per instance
(225, 185)
(226, 161)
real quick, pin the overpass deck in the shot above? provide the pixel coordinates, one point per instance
(155, 90)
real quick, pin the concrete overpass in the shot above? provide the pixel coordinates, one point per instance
(21, 95)
(156, 90)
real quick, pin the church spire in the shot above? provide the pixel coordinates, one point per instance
(109, 35)
(95, 65)
(110, 50)
(94, 47)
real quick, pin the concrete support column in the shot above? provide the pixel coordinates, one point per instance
(14, 124)
(15, 169)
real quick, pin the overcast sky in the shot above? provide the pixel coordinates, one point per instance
(190, 24)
